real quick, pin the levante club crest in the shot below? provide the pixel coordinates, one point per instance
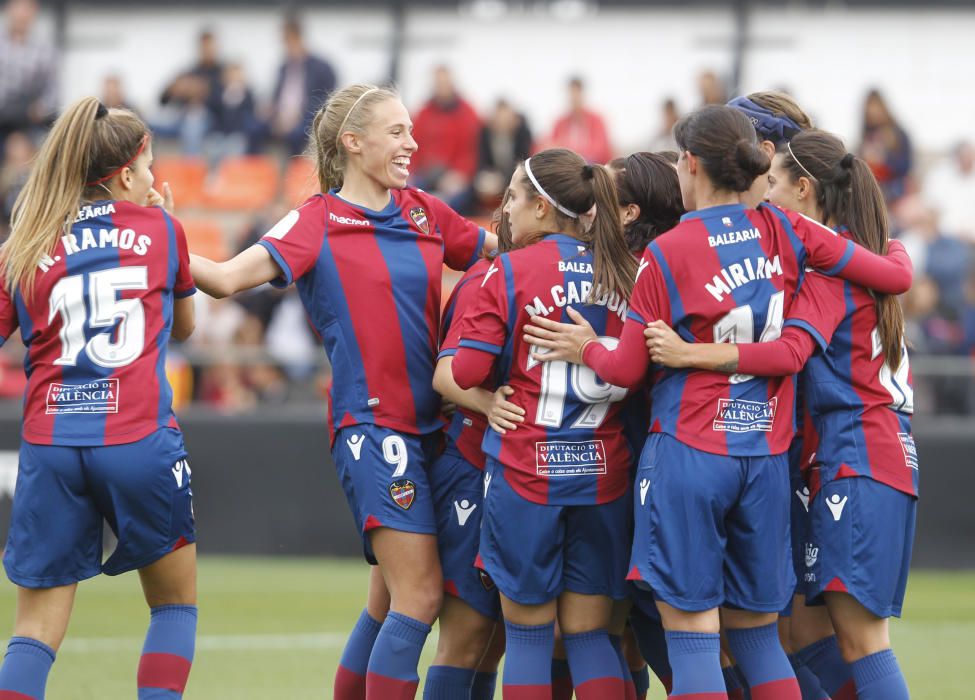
(419, 217)
(403, 493)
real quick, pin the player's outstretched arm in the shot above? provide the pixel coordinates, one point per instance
(250, 268)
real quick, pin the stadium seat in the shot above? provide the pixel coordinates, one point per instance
(186, 176)
(245, 183)
(205, 237)
(300, 181)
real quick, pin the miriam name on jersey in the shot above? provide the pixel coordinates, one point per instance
(371, 282)
(860, 408)
(571, 449)
(97, 327)
(727, 274)
(466, 429)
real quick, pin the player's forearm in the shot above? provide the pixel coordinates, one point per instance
(717, 357)
(210, 278)
(890, 274)
(778, 358)
(626, 366)
(475, 399)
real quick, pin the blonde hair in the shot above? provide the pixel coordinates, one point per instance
(87, 143)
(348, 109)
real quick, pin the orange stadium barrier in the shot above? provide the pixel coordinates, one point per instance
(245, 183)
(205, 237)
(186, 176)
(300, 181)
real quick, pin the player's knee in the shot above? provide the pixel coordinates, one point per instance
(861, 643)
(419, 602)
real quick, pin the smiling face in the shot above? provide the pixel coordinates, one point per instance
(385, 148)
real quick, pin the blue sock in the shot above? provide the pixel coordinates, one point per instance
(641, 681)
(25, 667)
(395, 655)
(650, 638)
(695, 658)
(808, 682)
(824, 659)
(528, 656)
(763, 662)
(483, 688)
(167, 654)
(350, 677)
(594, 665)
(879, 677)
(448, 683)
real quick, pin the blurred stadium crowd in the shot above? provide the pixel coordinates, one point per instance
(234, 160)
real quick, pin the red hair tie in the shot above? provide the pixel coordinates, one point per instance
(138, 151)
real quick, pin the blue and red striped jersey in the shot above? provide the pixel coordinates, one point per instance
(97, 326)
(466, 428)
(860, 408)
(571, 449)
(727, 274)
(370, 282)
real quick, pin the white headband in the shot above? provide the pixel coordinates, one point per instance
(355, 104)
(789, 146)
(538, 188)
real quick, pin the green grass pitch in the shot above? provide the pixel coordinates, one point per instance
(274, 629)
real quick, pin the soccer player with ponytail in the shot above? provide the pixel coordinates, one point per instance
(859, 396)
(555, 507)
(716, 455)
(98, 282)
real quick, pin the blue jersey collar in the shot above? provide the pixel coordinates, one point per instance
(388, 210)
(711, 212)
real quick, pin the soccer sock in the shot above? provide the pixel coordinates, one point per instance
(391, 674)
(595, 667)
(167, 653)
(641, 682)
(835, 676)
(448, 683)
(808, 682)
(483, 687)
(628, 685)
(695, 658)
(732, 683)
(23, 675)
(528, 661)
(650, 638)
(879, 677)
(561, 680)
(762, 660)
(350, 677)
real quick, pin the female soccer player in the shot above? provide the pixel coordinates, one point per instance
(367, 257)
(860, 399)
(715, 456)
(555, 505)
(98, 282)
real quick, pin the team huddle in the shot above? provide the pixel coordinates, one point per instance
(652, 428)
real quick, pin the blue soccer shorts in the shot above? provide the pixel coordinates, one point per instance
(533, 552)
(860, 538)
(63, 494)
(711, 529)
(458, 497)
(384, 474)
(798, 524)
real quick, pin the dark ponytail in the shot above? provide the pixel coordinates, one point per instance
(848, 195)
(649, 181)
(576, 187)
(724, 141)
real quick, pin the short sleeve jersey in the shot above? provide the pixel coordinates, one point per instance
(860, 408)
(571, 449)
(370, 282)
(727, 274)
(466, 428)
(97, 325)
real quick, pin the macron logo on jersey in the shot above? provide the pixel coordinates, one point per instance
(347, 220)
(464, 509)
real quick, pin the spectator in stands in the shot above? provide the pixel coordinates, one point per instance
(235, 129)
(950, 188)
(18, 150)
(28, 88)
(581, 129)
(505, 141)
(448, 128)
(190, 98)
(304, 82)
(669, 115)
(886, 147)
(113, 94)
(711, 88)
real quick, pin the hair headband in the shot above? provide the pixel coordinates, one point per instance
(772, 127)
(804, 168)
(355, 104)
(545, 195)
(138, 151)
